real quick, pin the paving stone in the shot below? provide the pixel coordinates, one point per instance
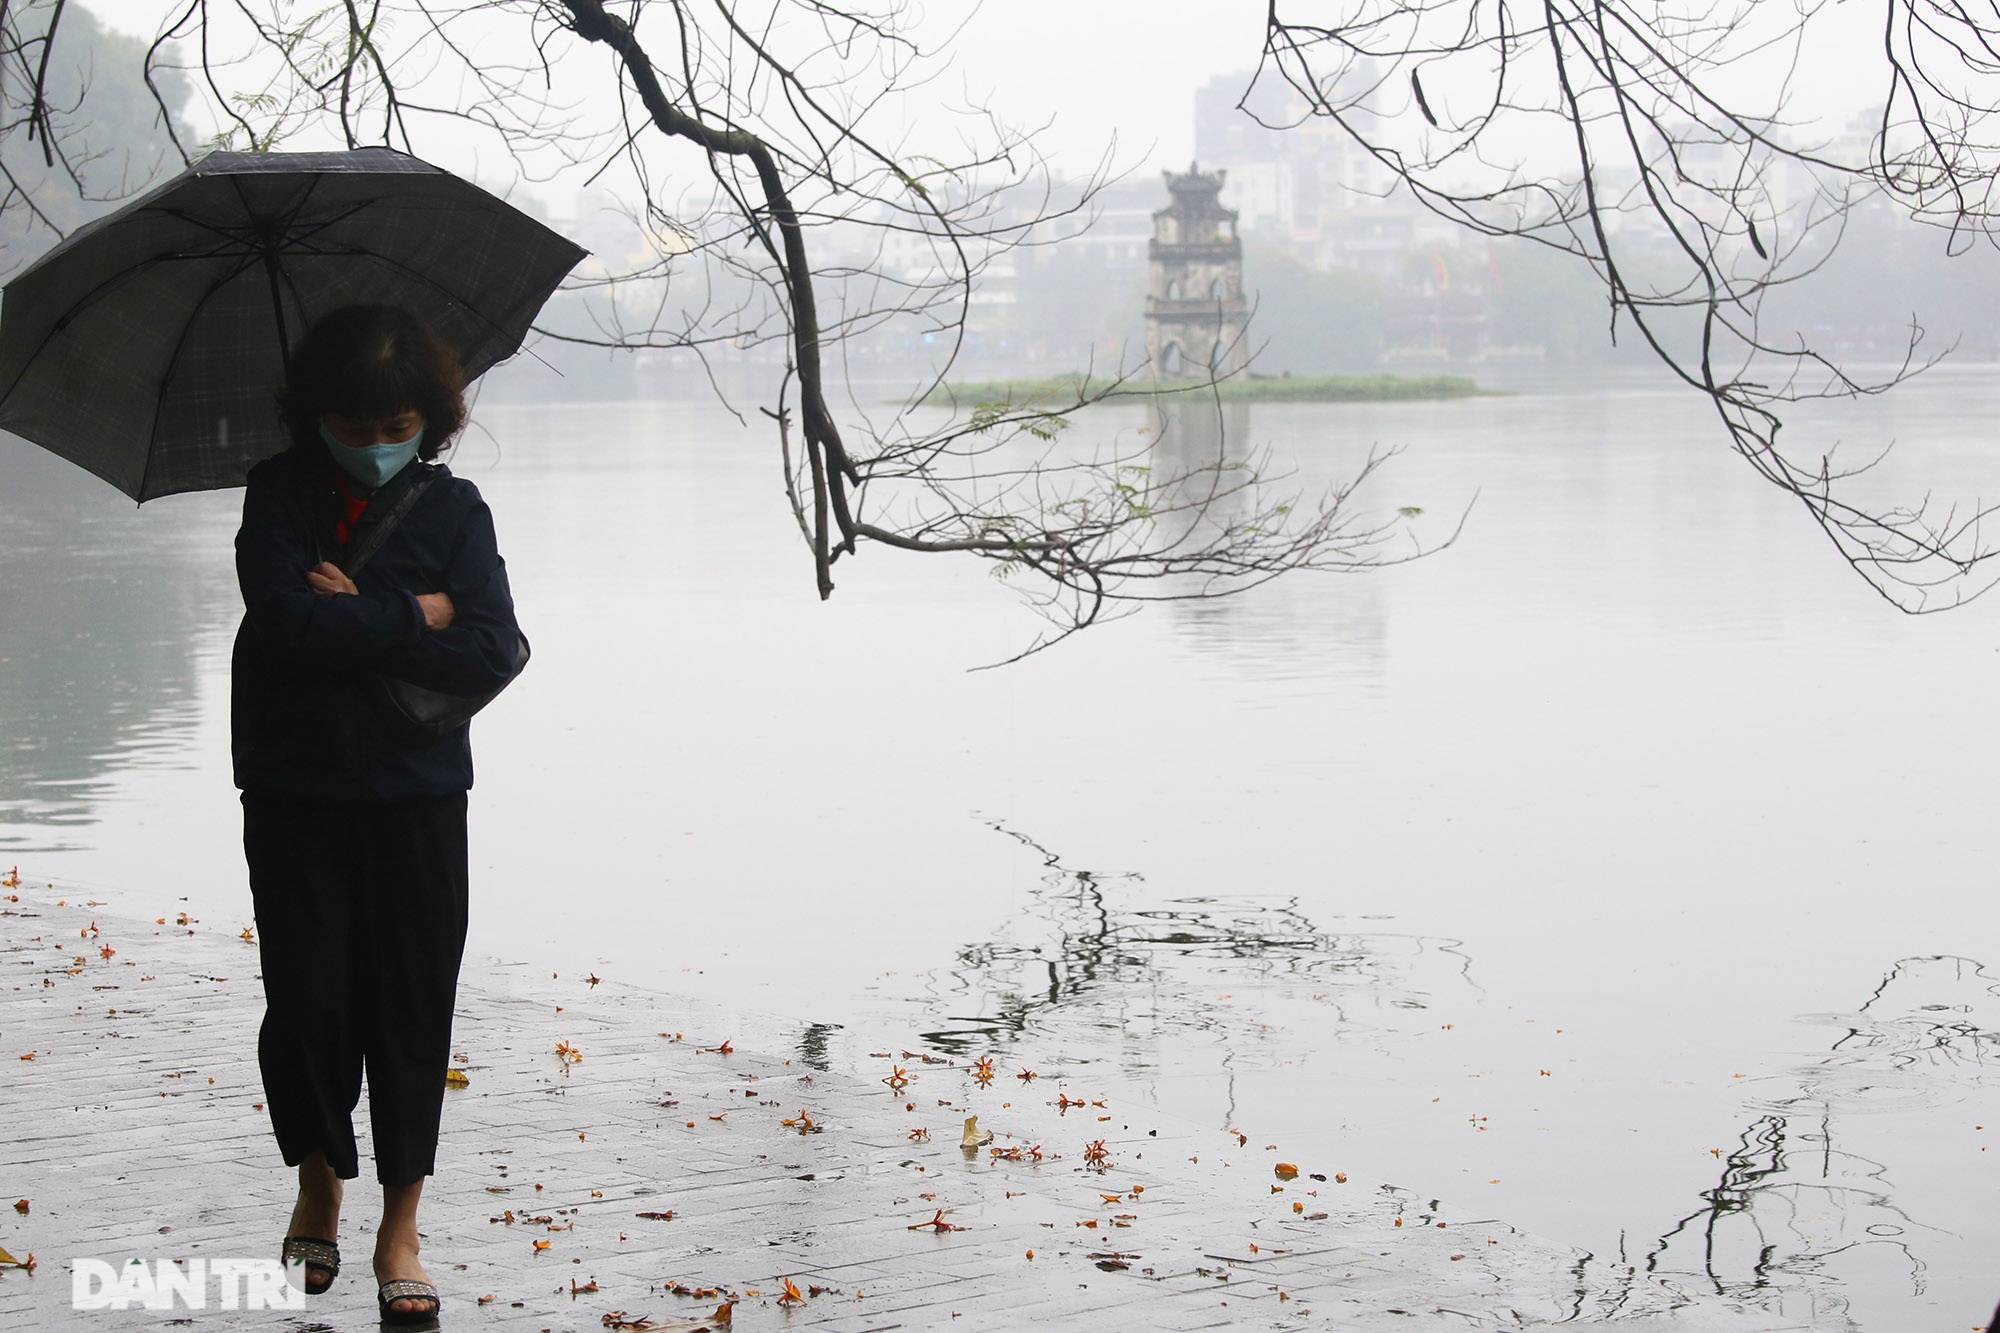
(124, 1149)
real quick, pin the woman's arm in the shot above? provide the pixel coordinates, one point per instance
(310, 628)
(475, 650)
(328, 579)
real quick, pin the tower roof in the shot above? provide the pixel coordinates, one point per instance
(1196, 194)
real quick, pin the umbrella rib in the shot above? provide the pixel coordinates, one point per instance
(247, 235)
(68, 317)
(173, 363)
(397, 266)
(442, 290)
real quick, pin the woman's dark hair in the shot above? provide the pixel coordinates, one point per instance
(366, 361)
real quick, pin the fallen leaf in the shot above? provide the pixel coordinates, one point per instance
(973, 1138)
(21, 1206)
(936, 1223)
(1285, 1170)
(791, 1295)
(541, 1245)
(455, 1078)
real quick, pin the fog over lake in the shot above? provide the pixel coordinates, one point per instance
(1623, 870)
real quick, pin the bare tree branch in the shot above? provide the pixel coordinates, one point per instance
(1655, 144)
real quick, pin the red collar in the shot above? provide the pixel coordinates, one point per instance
(352, 505)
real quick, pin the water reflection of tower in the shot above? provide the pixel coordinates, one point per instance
(1307, 625)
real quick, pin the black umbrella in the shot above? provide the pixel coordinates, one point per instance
(147, 347)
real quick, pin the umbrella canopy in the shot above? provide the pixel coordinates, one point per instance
(149, 345)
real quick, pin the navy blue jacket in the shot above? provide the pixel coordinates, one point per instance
(303, 717)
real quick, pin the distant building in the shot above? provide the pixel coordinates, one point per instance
(1195, 308)
(1300, 181)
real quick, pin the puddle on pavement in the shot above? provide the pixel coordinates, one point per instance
(1838, 1202)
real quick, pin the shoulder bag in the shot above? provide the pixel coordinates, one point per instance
(415, 714)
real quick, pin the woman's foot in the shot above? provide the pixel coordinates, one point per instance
(317, 1214)
(396, 1261)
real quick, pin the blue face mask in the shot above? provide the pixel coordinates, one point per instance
(374, 464)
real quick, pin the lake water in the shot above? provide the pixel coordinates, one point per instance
(1625, 872)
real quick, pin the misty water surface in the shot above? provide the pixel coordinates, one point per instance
(1623, 872)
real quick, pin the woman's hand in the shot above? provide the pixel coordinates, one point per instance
(437, 609)
(327, 580)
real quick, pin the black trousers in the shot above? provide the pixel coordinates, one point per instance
(361, 913)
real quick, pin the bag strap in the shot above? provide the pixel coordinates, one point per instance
(387, 524)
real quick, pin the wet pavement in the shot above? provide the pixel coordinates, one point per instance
(618, 1155)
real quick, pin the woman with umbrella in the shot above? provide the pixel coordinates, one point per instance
(143, 347)
(355, 834)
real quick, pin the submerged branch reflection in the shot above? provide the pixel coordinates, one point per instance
(1108, 977)
(1807, 1198)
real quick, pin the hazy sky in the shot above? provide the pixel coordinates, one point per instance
(1088, 74)
(1098, 67)
(1093, 68)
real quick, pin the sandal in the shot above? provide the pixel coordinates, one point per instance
(407, 1289)
(312, 1252)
